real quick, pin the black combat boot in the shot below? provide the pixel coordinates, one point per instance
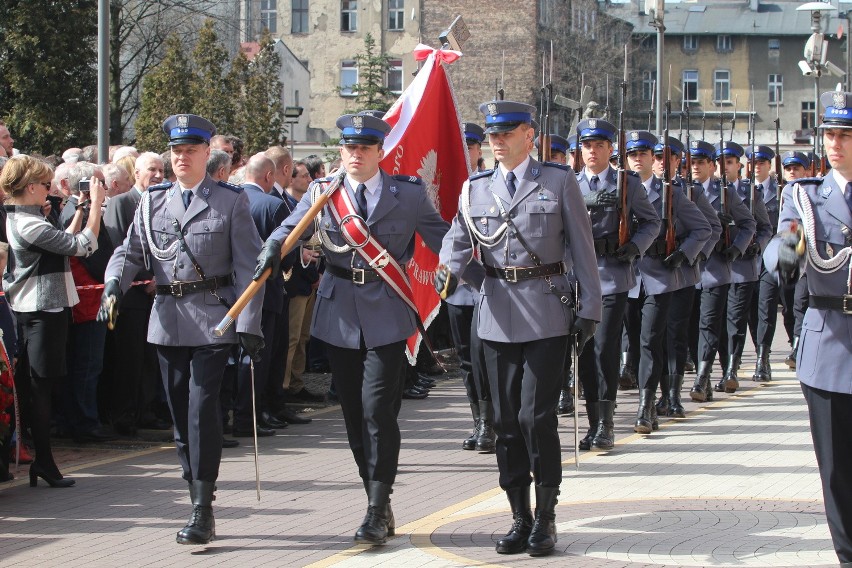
(762, 369)
(605, 437)
(201, 527)
(515, 540)
(689, 364)
(701, 388)
(643, 423)
(790, 361)
(375, 528)
(565, 407)
(593, 414)
(470, 443)
(663, 402)
(675, 405)
(627, 374)
(486, 440)
(730, 383)
(543, 536)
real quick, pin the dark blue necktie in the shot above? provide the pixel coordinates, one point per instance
(361, 198)
(848, 195)
(593, 184)
(510, 183)
(187, 198)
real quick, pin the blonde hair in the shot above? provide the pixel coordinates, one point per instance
(128, 163)
(20, 171)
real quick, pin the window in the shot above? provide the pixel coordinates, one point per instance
(776, 89)
(649, 43)
(395, 76)
(808, 115)
(721, 86)
(349, 15)
(299, 17)
(583, 20)
(648, 81)
(690, 86)
(396, 13)
(348, 78)
(690, 43)
(268, 16)
(724, 44)
(774, 48)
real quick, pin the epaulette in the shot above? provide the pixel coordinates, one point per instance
(556, 165)
(813, 180)
(632, 173)
(231, 186)
(160, 186)
(486, 173)
(409, 179)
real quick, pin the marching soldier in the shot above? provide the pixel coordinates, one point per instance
(362, 312)
(530, 225)
(716, 275)
(198, 238)
(823, 210)
(598, 369)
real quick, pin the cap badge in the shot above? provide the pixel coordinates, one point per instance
(358, 123)
(492, 109)
(205, 192)
(182, 121)
(695, 143)
(634, 136)
(838, 99)
(593, 123)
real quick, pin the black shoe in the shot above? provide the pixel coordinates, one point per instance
(423, 386)
(516, 539)
(376, 526)
(154, 423)
(701, 388)
(762, 369)
(605, 437)
(269, 421)
(487, 439)
(50, 474)
(470, 442)
(720, 386)
(593, 414)
(414, 394)
(675, 405)
(627, 379)
(790, 361)
(248, 433)
(542, 539)
(201, 527)
(229, 442)
(96, 435)
(126, 430)
(689, 365)
(566, 403)
(305, 395)
(425, 379)
(644, 420)
(291, 417)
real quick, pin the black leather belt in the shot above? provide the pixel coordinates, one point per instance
(178, 289)
(658, 248)
(515, 273)
(357, 275)
(606, 245)
(838, 303)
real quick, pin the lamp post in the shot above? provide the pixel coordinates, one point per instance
(656, 10)
(816, 51)
(292, 114)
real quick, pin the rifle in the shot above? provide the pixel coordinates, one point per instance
(667, 205)
(501, 92)
(723, 190)
(541, 111)
(621, 187)
(703, 120)
(779, 169)
(750, 138)
(690, 186)
(733, 119)
(546, 97)
(651, 108)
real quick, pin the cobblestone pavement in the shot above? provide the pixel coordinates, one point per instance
(733, 484)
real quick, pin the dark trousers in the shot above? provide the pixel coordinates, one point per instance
(787, 297)
(525, 381)
(369, 386)
(678, 329)
(599, 359)
(192, 377)
(693, 333)
(739, 303)
(830, 416)
(278, 348)
(631, 332)
(800, 303)
(469, 349)
(652, 360)
(85, 362)
(763, 313)
(242, 403)
(712, 313)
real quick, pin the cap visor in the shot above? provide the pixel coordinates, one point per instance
(365, 140)
(502, 127)
(187, 140)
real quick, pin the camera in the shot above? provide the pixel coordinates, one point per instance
(83, 186)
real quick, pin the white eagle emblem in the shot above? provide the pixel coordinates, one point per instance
(428, 172)
(634, 136)
(838, 99)
(593, 123)
(182, 121)
(695, 143)
(492, 109)
(358, 123)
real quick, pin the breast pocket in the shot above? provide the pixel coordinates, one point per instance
(393, 234)
(206, 235)
(162, 232)
(543, 217)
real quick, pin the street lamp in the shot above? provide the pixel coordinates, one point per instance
(656, 10)
(816, 51)
(292, 114)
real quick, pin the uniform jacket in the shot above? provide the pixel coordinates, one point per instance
(716, 271)
(770, 200)
(268, 212)
(118, 216)
(825, 346)
(692, 232)
(467, 292)
(748, 269)
(345, 311)
(221, 234)
(549, 212)
(616, 276)
(691, 274)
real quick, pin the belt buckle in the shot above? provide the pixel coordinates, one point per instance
(175, 288)
(358, 276)
(847, 304)
(511, 273)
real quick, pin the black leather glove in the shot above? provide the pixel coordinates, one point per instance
(752, 250)
(252, 344)
(731, 253)
(584, 329)
(111, 290)
(445, 282)
(700, 257)
(788, 258)
(675, 259)
(627, 253)
(724, 218)
(600, 198)
(269, 257)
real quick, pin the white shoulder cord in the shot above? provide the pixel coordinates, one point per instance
(316, 191)
(159, 253)
(826, 266)
(485, 240)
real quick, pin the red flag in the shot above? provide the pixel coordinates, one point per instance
(427, 141)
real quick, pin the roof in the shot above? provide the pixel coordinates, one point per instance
(711, 17)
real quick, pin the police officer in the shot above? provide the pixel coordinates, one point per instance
(823, 209)
(198, 238)
(528, 220)
(598, 369)
(658, 271)
(745, 269)
(363, 321)
(574, 158)
(738, 228)
(474, 135)
(558, 148)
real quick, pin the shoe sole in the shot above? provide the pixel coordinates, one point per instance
(731, 386)
(195, 543)
(698, 396)
(371, 542)
(509, 551)
(536, 553)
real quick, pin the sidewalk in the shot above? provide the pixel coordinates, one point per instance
(733, 484)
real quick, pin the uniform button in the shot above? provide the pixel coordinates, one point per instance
(180, 265)
(513, 256)
(206, 228)
(513, 214)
